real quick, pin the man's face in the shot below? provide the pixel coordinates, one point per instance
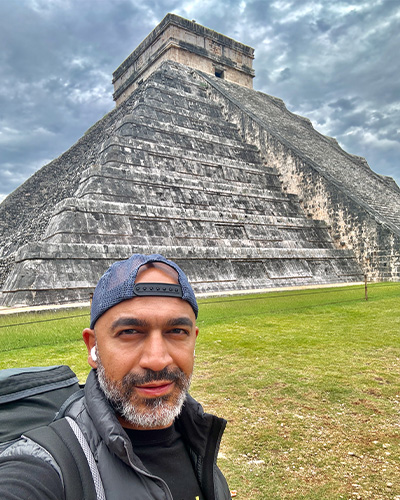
(145, 349)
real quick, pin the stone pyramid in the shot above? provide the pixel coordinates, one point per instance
(199, 167)
(175, 177)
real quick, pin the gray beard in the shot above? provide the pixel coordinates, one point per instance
(146, 413)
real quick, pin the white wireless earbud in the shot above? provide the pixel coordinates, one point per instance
(93, 353)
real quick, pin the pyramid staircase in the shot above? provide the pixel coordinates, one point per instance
(175, 177)
(352, 173)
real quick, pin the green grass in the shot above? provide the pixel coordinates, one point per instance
(309, 382)
(38, 339)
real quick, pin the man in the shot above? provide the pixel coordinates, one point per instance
(149, 438)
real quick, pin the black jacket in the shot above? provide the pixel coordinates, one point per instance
(122, 472)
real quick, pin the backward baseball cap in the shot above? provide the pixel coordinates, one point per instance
(118, 284)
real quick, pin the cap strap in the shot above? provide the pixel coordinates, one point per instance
(158, 289)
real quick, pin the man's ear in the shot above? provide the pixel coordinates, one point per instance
(89, 338)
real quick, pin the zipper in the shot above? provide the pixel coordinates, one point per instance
(147, 474)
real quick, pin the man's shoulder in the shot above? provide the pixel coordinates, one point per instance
(26, 447)
(27, 471)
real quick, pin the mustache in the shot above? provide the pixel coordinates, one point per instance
(170, 375)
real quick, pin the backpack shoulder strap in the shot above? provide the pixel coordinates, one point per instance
(59, 439)
(79, 394)
(98, 483)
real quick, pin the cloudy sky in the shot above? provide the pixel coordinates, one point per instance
(336, 62)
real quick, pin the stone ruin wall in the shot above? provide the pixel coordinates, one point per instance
(352, 224)
(6, 263)
(26, 212)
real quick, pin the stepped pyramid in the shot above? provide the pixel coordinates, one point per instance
(194, 164)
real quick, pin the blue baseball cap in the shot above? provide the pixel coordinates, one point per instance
(118, 284)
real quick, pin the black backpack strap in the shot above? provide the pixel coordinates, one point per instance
(60, 441)
(79, 394)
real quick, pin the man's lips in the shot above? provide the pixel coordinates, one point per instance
(155, 389)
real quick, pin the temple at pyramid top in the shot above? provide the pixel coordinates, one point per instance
(186, 42)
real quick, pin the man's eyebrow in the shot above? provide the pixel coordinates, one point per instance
(128, 322)
(183, 321)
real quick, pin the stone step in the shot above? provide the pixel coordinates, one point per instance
(78, 226)
(201, 115)
(178, 98)
(256, 223)
(169, 135)
(384, 209)
(44, 250)
(214, 123)
(168, 197)
(188, 85)
(149, 164)
(98, 179)
(202, 109)
(198, 112)
(194, 231)
(179, 138)
(118, 149)
(174, 124)
(205, 112)
(119, 152)
(163, 239)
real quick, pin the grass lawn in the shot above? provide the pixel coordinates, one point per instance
(309, 382)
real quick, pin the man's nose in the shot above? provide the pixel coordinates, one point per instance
(155, 354)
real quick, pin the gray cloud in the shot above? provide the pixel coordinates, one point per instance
(334, 62)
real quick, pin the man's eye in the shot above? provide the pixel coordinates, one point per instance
(128, 331)
(179, 331)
